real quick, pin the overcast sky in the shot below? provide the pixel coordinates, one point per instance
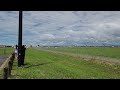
(61, 27)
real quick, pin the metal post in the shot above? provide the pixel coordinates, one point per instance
(20, 39)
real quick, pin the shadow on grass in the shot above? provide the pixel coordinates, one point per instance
(35, 65)
(14, 76)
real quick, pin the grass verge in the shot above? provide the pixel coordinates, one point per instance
(46, 65)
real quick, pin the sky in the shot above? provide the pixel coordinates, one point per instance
(61, 28)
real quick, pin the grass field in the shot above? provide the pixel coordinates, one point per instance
(96, 51)
(46, 65)
(6, 50)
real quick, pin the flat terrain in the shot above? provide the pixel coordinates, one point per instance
(40, 63)
(6, 51)
(4, 54)
(109, 52)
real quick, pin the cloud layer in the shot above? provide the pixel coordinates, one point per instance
(62, 27)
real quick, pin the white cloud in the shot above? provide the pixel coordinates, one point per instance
(62, 27)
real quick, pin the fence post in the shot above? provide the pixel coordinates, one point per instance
(7, 70)
(9, 67)
(13, 56)
(5, 73)
(11, 59)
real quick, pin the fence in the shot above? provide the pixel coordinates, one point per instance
(7, 67)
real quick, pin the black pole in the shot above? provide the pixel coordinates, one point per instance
(20, 39)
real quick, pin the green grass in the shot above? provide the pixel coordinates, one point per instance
(98, 51)
(6, 50)
(46, 65)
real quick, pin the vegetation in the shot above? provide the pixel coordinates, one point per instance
(45, 65)
(110, 52)
(6, 50)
